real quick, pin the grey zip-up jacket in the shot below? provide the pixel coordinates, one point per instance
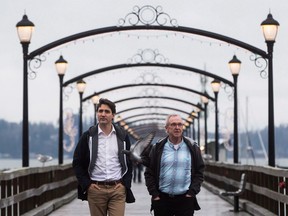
(84, 160)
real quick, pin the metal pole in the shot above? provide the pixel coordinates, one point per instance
(95, 113)
(205, 128)
(80, 115)
(193, 130)
(235, 149)
(25, 123)
(198, 129)
(216, 128)
(60, 136)
(271, 129)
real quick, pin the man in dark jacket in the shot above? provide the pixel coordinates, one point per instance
(174, 172)
(104, 173)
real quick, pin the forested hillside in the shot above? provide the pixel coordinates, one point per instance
(44, 140)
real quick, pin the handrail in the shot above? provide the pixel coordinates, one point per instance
(261, 186)
(27, 189)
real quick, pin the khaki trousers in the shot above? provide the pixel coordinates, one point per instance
(107, 200)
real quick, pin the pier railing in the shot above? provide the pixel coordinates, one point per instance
(265, 189)
(28, 190)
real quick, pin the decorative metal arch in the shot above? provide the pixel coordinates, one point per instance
(152, 107)
(158, 97)
(175, 66)
(144, 119)
(147, 84)
(144, 114)
(148, 27)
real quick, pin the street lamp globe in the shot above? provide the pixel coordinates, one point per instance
(194, 114)
(189, 119)
(234, 65)
(204, 99)
(118, 118)
(95, 99)
(81, 85)
(25, 28)
(270, 28)
(215, 84)
(61, 65)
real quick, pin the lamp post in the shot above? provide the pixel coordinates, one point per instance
(25, 29)
(270, 29)
(198, 125)
(194, 116)
(235, 65)
(61, 67)
(205, 101)
(81, 85)
(216, 87)
(95, 100)
(190, 121)
(193, 130)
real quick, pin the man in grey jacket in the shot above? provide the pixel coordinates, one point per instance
(104, 173)
(174, 172)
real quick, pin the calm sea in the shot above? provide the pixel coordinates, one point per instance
(17, 163)
(8, 163)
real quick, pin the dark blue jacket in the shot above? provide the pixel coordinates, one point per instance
(82, 164)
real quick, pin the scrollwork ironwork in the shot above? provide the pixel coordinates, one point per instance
(258, 63)
(67, 91)
(147, 15)
(33, 65)
(228, 90)
(148, 56)
(148, 77)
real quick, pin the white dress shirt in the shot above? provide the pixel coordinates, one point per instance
(107, 167)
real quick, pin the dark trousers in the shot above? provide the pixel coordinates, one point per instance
(173, 206)
(137, 172)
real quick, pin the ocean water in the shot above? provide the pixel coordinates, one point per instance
(11, 163)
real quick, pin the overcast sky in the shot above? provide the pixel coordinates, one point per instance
(57, 19)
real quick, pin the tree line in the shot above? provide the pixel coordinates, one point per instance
(43, 138)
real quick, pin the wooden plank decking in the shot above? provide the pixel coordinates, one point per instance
(210, 203)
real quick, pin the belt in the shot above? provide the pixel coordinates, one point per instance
(107, 182)
(172, 195)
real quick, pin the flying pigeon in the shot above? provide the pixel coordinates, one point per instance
(141, 148)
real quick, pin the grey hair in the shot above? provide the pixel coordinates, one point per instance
(168, 118)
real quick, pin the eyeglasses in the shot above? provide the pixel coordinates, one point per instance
(180, 125)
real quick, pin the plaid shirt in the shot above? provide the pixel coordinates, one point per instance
(175, 172)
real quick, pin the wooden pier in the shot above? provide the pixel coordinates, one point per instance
(210, 203)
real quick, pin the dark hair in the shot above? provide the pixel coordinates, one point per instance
(107, 102)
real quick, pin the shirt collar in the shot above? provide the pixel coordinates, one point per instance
(100, 131)
(172, 145)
